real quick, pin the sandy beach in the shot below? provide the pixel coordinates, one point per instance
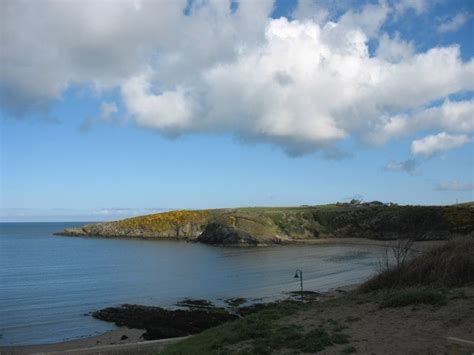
(121, 335)
(119, 341)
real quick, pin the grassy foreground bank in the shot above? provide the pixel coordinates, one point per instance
(388, 314)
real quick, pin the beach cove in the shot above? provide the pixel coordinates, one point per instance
(51, 284)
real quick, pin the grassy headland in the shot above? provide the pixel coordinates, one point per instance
(268, 225)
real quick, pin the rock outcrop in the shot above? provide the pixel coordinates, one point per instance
(218, 233)
(161, 323)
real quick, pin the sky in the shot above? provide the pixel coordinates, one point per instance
(110, 109)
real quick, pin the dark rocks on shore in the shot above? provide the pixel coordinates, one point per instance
(236, 301)
(160, 323)
(195, 303)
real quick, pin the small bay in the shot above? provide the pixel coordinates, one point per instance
(49, 284)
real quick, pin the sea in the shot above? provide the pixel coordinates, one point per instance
(50, 284)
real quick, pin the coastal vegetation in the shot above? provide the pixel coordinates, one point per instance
(278, 225)
(449, 265)
(406, 297)
(370, 319)
(181, 223)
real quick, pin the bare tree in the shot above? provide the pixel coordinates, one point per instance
(396, 256)
(402, 251)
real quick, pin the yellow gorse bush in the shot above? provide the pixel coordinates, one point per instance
(161, 222)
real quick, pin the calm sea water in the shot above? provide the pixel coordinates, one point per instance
(48, 283)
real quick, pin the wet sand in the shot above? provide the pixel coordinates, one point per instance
(112, 337)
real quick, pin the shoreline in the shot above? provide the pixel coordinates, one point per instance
(134, 336)
(111, 337)
(109, 342)
(418, 246)
(114, 340)
(283, 242)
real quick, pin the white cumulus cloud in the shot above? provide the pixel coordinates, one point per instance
(450, 116)
(305, 88)
(432, 144)
(304, 85)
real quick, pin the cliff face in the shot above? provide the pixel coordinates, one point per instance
(254, 226)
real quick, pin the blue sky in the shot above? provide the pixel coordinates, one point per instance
(227, 105)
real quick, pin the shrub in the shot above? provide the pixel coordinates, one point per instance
(449, 265)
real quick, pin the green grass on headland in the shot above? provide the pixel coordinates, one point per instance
(268, 225)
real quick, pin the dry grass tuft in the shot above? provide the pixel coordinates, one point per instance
(450, 265)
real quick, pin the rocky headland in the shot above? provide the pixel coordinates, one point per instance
(280, 225)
